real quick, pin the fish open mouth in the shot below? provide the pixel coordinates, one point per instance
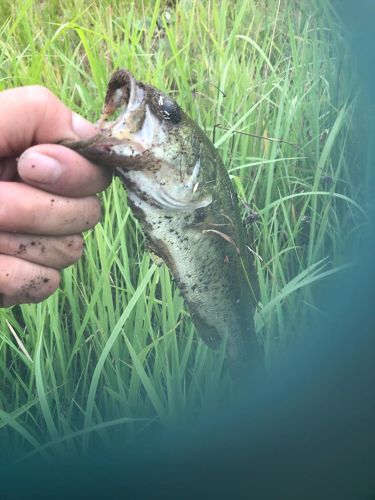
(123, 141)
(136, 127)
(136, 144)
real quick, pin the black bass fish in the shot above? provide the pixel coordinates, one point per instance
(180, 192)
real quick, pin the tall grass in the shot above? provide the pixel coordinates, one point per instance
(114, 352)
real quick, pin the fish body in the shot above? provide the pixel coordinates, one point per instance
(180, 192)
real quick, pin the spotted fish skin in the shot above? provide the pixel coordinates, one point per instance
(180, 192)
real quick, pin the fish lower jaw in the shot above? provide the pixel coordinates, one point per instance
(129, 150)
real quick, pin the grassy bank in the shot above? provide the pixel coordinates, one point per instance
(114, 351)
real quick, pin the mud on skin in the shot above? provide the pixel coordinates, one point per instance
(59, 251)
(31, 290)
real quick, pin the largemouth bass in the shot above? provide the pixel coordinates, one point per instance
(180, 192)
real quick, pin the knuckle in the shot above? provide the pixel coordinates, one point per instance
(6, 243)
(32, 209)
(13, 206)
(40, 94)
(44, 103)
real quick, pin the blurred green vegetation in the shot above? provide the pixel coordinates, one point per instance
(114, 351)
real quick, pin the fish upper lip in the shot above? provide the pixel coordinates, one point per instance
(135, 126)
(137, 100)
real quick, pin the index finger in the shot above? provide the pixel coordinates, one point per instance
(34, 115)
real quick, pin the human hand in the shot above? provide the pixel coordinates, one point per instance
(46, 197)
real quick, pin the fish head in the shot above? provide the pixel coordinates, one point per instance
(151, 128)
(152, 142)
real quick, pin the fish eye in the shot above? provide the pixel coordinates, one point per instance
(170, 109)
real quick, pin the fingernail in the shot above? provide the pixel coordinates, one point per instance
(36, 167)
